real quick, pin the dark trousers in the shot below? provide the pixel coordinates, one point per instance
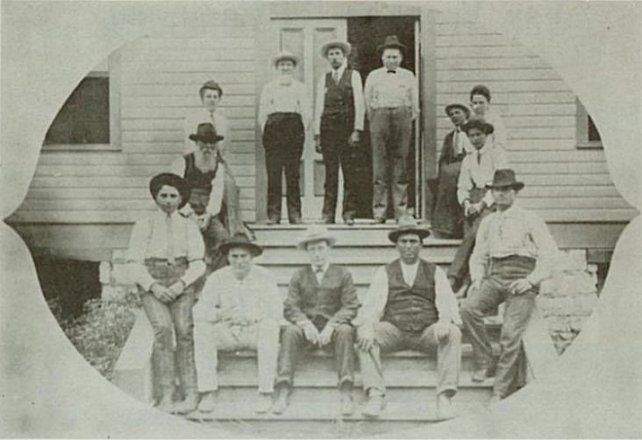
(336, 151)
(293, 342)
(390, 134)
(283, 138)
(517, 313)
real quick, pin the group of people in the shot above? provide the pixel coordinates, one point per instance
(193, 257)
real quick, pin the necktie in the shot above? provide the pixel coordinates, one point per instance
(212, 117)
(456, 146)
(170, 239)
(318, 272)
(335, 76)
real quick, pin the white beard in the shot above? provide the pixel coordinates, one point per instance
(205, 163)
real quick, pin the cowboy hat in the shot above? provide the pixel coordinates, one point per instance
(315, 233)
(206, 132)
(345, 47)
(505, 178)
(169, 179)
(464, 107)
(408, 225)
(240, 241)
(391, 42)
(478, 122)
(285, 55)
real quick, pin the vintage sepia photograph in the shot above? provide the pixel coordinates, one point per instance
(322, 219)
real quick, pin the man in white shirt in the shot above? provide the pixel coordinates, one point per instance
(392, 103)
(211, 94)
(338, 124)
(239, 308)
(409, 305)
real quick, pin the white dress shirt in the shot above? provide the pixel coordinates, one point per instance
(357, 91)
(284, 95)
(203, 115)
(399, 89)
(477, 169)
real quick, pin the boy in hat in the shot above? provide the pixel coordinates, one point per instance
(166, 257)
(392, 103)
(239, 308)
(448, 214)
(338, 125)
(513, 254)
(480, 103)
(477, 170)
(321, 302)
(211, 94)
(409, 305)
(284, 115)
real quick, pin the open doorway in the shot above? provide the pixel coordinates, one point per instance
(365, 34)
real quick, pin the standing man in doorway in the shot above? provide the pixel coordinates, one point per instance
(392, 103)
(338, 124)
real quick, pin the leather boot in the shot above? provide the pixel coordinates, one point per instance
(166, 403)
(189, 404)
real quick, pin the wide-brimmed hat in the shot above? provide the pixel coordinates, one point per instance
(478, 122)
(393, 42)
(206, 132)
(505, 178)
(173, 180)
(460, 105)
(408, 225)
(285, 55)
(345, 47)
(315, 233)
(240, 240)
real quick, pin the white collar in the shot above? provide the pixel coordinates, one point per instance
(324, 268)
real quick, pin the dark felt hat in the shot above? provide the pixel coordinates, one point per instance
(408, 225)
(206, 132)
(241, 240)
(478, 122)
(505, 178)
(169, 179)
(393, 42)
(460, 105)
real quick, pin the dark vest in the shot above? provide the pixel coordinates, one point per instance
(339, 101)
(411, 308)
(195, 177)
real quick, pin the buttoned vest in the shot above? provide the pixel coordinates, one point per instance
(195, 177)
(411, 308)
(339, 101)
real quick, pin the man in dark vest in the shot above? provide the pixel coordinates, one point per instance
(338, 123)
(410, 305)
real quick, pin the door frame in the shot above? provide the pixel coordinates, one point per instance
(265, 12)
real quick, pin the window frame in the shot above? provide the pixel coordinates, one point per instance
(582, 129)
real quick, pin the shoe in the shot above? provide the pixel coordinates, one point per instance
(296, 221)
(348, 221)
(481, 374)
(347, 404)
(166, 404)
(379, 220)
(373, 407)
(208, 402)
(445, 410)
(272, 221)
(327, 220)
(264, 403)
(282, 399)
(189, 404)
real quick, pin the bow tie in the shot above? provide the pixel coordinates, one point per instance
(318, 270)
(391, 71)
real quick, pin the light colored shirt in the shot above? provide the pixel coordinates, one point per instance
(515, 231)
(320, 273)
(218, 187)
(461, 143)
(499, 136)
(254, 298)
(374, 302)
(283, 96)
(477, 169)
(384, 89)
(160, 236)
(357, 92)
(200, 116)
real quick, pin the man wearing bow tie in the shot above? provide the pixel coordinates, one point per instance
(392, 103)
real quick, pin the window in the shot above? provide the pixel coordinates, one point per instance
(85, 121)
(588, 135)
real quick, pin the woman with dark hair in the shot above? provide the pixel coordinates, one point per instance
(166, 257)
(480, 103)
(211, 94)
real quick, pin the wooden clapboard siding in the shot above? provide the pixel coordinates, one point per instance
(563, 184)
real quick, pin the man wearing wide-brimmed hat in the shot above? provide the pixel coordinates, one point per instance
(392, 103)
(321, 302)
(284, 115)
(239, 308)
(477, 170)
(513, 254)
(409, 305)
(338, 124)
(211, 94)
(448, 215)
(166, 258)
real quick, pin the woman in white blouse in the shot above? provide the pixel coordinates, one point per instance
(480, 103)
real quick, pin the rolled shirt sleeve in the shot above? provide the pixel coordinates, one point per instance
(481, 252)
(546, 248)
(359, 105)
(319, 104)
(464, 183)
(375, 300)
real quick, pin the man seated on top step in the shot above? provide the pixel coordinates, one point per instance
(514, 252)
(239, 309)
(410, 305)
(321, 302)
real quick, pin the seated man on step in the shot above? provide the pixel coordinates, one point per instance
(239, 309)
(321, 302)
(409, 305)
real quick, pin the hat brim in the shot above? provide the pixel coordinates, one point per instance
(346, 48)
(461, 106)
(517, 186)
(483, 126)
(174, 181)
(401, 47)
(195, 138)
(292, 58)
(303, 243)
(254, 249)
(421, 232)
